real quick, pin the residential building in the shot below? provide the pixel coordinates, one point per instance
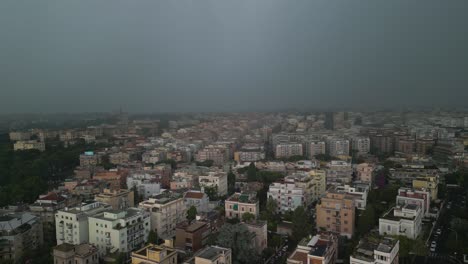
(336, 213)
(316, 148)
(374, 249)
(115, 178)
(155, 254)
(339, 172)
(259, 228)
(19, 233)
(320, 249)
(219, 154)
(240, 203)
(198, 199)
(287, 150)
(418, 197)
(365, 173)
(28, 145)
(216, 179)
(286, 195)
(118, 199)
(361, 145)
(167, 210)
(319, 184)
(119, 230)
(119, 158)
(20, 135)
(192, 236)
(71, 225)
(212, 255)
(402, 220)
(358, 191)
(430, 183)
(145, 184)
(337, 147)
(77, 254)
(90, 159)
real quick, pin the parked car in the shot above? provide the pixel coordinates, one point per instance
(433, 248)
(438, 231)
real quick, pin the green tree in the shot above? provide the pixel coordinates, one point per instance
(153, 237)
(231, 182)
(252, 172)
(324, 157)
(248, 217)
(191, 213)
(301, 224)
(367, 220)
(212, 192)
(238, 238)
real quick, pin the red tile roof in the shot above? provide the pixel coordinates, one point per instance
(194, 195)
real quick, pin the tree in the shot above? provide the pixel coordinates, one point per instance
(212, 192)
(301, 224)
(191, 213)
(323, 157)
(153, 237)
(248, 217)
(367, 220)
(238, 238)
(252, 172)
(231, 182)
(206, 163)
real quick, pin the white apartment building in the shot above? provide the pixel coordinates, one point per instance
(167, 210)
(71, 225)
(402, 220)
(119, 230)
(198, 199)
(337, 147)
(316, 148)
(215, 178)
(339, 172)
(376, 250)
(287, 196)
(286, 150)
(419, 197)
(146, 184)
(358, 191)
(361, 145)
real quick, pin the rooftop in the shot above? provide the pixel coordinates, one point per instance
(211, 252)
(367, 245)
(243, 198)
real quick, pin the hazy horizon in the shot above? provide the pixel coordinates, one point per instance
(218, 56)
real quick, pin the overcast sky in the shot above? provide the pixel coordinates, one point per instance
(219, 55)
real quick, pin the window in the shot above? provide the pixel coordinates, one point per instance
(346, 222)
(388, 228)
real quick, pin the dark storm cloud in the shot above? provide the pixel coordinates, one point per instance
(198, 55)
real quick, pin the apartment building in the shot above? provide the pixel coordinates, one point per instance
(316, 148)
(336, 213)
(337, 147)
(320, 249)
(216, 179)
(28, 145)
(419, 197)
(167, 210)
(119, 230)
(319, 184)
(359, 192)
(198, 199)
(146, 184)
(218, 154)
(71, 225)
(402, 220)
(287, 150)
(240, 203)
(90, 159)
(19, 135)
(155, 254)
(19, 232)
(212, 255)
(361, 145)
(286, 195)
(339, 172)
(192, 236)
(77, 254)
(430, 183)
(365, 173)
(115, 178)
(118, 199)
(374, 249)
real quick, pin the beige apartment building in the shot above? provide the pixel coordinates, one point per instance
(365, 173)
(335, 213)
(240, 203)
(216, 179)
(319, 184)
(167, 210)
(76, 254)
(118, 199)
(155, 254)
(29, 144)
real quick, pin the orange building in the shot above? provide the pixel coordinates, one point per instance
(336, 212)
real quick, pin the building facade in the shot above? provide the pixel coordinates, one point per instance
(336, 213)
